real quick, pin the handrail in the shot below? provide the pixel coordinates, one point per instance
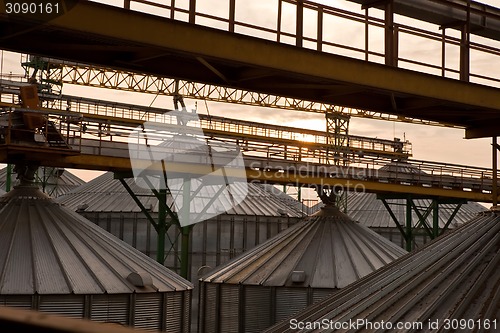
(115, 136)
(317, 15)
(356, 145)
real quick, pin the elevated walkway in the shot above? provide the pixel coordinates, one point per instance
(203, 54)
(105, 148)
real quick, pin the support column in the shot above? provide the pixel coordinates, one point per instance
(192, 11)
(232, 14)
(465, 47)
(299, 33)
(409, 227)
(8, 181)
(435, 218)
(185, 211)
(162, 226)
(494, 185)
(390, 39)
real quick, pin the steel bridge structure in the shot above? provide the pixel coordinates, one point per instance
(301, 66)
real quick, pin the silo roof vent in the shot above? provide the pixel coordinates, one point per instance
(140, 279)
(298, 276)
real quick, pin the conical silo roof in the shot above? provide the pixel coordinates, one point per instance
(331, 249)
(48, 249)
(452, 279)
(57, 180)
(401, 167)
(106, 194)
(299, 266)
(371, 212)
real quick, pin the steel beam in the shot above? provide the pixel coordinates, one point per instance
(93, 162)
(287, 64)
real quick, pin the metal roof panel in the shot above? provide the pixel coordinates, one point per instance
(454, 277)
(330, 248)
(48, 249)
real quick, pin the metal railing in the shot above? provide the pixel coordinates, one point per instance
(15, 131)
(245, 131)
(106, 138)
(309, 24)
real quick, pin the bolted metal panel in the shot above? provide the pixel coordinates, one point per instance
(257, 309)
(289, 301)
(111, 308)
(67, 305)
(229, 308)
(148, 311)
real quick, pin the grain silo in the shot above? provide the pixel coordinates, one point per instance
(453, 281)
(296, 268)
(54, 260)
(260, 216)
(53, 181)
(371, 212)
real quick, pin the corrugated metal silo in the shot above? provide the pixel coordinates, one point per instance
(261, 215)
(452, 281)
(53, 181)
(296, 268)
(54, 260)
(371, 212)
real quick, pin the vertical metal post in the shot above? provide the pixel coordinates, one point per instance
(172, 9)
(319, 35)
(192, 11)
(299, 33)
(435, 218)
(126, 4)
(494, 185)
(278, 28)
(162, 226)
(367, 45)
(443, 52)
(409, 227)
(185, 211)
(464, 47)
(232, 14)
(389, 33)
(395, 46)
(8, 181)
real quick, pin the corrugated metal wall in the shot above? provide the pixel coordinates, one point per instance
(168, 312)
(245, 308)
(213, 242)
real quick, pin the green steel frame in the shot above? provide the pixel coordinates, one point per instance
(408, 228)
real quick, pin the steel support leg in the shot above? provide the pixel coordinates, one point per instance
(8, 181)
(162, 226)
(409, 227)
(494, 188)
(435, 218)
(185, 211)
(300, 23)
